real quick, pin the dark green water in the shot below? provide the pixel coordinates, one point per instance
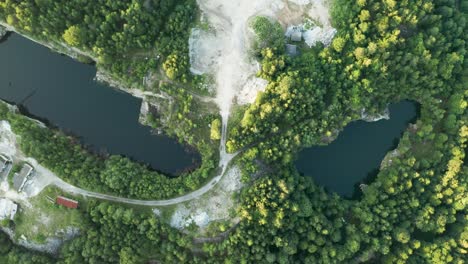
(64, 93)
(357, 152)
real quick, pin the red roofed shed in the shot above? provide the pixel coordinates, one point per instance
(67, 202)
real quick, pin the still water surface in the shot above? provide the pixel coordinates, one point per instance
(62, 91)
(357, 152)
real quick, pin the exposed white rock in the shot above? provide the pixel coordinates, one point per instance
(8, 209)
(209, 208)
(3, 32)
(204, 50)
(249, 92)
(319, 34)
(312, 35)
(374, 118)
(300, 2)
(52, 244)
(7, 139)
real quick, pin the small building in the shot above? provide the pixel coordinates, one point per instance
(8, 209)
(60, 200)
(296, 36)
(20, 179)
(3, 162)
(291, 50)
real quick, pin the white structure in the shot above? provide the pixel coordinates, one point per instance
(296, 35)
(3, 162)
(291, 50)
(7, 209)
(310, 35)
(20, 179)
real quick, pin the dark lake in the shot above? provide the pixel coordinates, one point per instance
(357, 152)
(62, 91)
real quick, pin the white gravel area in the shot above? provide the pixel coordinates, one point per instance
(42, 177)
(7, 139)
(8, 209)
(211, 207)
(385, 115)
(223, 50)
(205, 48)
(52, 244)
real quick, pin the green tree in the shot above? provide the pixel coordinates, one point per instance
(215, 133)
(72, 36)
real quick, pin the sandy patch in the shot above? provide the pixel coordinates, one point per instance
(223, 51)
(300, 2)
(52, 244)
(385, 115)
(312, 34)
(7, 139)
(315, 9)
(250, 90)
(8, 209)
(42, 177)
(316, 25)
(226, 47)
(205, 48)
(210, 207)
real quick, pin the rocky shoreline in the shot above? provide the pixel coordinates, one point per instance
(375, 117)
(52, 245)
(101, 75)
(3, 32)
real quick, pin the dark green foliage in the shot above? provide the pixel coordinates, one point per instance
(122, 235)
(380, 55)
(115, 174)
(126, 37)
(415, 211)
(12, 254)
(368, 65)
(269, 34)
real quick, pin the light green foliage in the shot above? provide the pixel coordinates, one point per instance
(125, 36)
(122, 235)
(11, 253)
(174, 66)
(338, 44)
(402, 235)
(380, 55)
(72, 36)
(116, 174)
(269, 34)
(413, 212)
(215, 133)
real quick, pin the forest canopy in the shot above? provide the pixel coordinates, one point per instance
(414, 211)
(127, 38)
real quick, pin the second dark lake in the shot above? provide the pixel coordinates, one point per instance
(62, 91)
(357, 152)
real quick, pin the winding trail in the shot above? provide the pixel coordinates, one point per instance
(223, 164)
(195, 194)
(46, 177)
(230, 20)
(232, 26)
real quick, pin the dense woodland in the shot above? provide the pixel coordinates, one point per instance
(415, 210)
(127, 38)
(10, 253)
(114, 174)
